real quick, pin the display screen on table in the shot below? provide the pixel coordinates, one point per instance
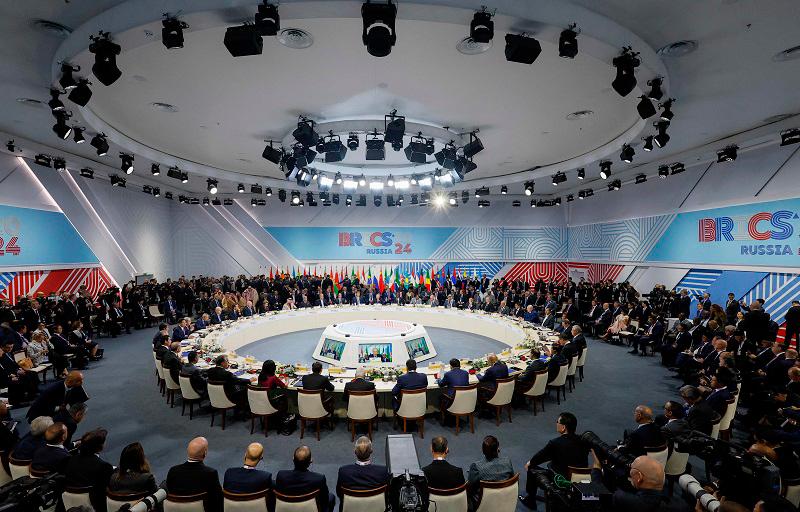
(332, 349)
(374, 352)
(417, 348)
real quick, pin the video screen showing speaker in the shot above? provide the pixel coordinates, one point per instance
(374, 353)
(417, 348)
(332, 349)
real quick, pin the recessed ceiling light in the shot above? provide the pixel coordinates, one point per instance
(163, 107)
(580, 114)
(787, 54)
(295, 38)
(678, 48)
(30, 102)
(469, 46)
(51, 27)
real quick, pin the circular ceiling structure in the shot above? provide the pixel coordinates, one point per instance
(209, 113)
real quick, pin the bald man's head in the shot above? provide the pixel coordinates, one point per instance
(647, 473)
(643, 414)
(302, 458)
(197, 449)
(254, 454)
(74, 378)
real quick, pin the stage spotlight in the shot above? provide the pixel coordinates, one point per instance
(240, 188)
(59, 164)
(790, 136)
(253, 202)
(185, 177)
(256, 189)
(641, 178)
(570, 198)
(338, 178)
(627, 153)
(425, 182)
(559, 177)
(516, 203)
(216, 202)
(504, 190)
(400, 200)
(314, 174)
(81, 94)
(424, 199)
(614, 185)
(394, 127)
(446, 157)
(147, 189)
(556, 202)
(465, 196)
(377, 200)
(483, 203)
(533, 203)
(655, 88)
(352, 141)
(282, 195)
(677, 168)
(325, 182)
(172, 33)
(605, 169)
(155, 170)
(666, 114)
(582, 194)
(100, 143)
(528, 188)
(268, 192)
(481, 28)
(295, 197)
(335, 151)
(521, 48)
(55, 104)
(390, 181)
(625, 63)
(568, 43)
(379, 33)
(348, 200)
(376, 149)
(305, 133)
(11, 147)
(243, 40)
(117, 181)
(581, 173)
(414, 199)
(105, 59)
(416, 151)
(645, 107)
(480, 192)
(302, 156)
(272, 154)
(310, 199)
(61, 128)
(362, 200)
(335, 199)
(728, 154)
(211, 185)
(362, 180)
(663, 137)
(474, 146)
(663, 171)
(303, 177)
(67, 81)
(350, 183)
(87, 173)
(227, 201)
(126, 163)
(43, 160)
(267, 19)
(78, 135)
(648, 143)
(206, 202)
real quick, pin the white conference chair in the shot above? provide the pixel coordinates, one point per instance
(537, 390)
(579, 474)
(559, 383)
(675, 467)
(116, 500)
(19, 467)
(502, 397)
(571, 369)
(499, 496)
(301, 503)
(464, 401)
(76, 497)
(449, 500)
(310, 408)
(413, 405)
(172, 387)
(659, 453)
(361, 409)
(582, 363)
(250, 502)
(791, 491)
(367, 500)
(187, 503)
(260, 406)
(219, 400)
(727, 419)
(188, 395)
(5, 476)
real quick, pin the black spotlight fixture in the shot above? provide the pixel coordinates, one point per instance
(335, 198)
(484, 203)
(570, 198)
(516, 203)
(117, 181)
(533, 203)
(184, 177)
(446, 157)
(43, 160)
(81, 94)
(302, 155)
(87, 173)
(305, 133)
(216, 202)
(504, 190)
(429, 146)
(348, 200)
(666, 113)
(267, 19)
(282, 195)
(559, 177)
(648, 143)
(605, 169)
(728, 154)
(172, 32)
(400, 200)
(295, 197)
(614, 185)
(662, 137)
(11, 147)
(379, 33)
(256, 189)
(243, 40)
(581, 173)
(625, 63)
(465, 196)
(645, 107)
(482, 192)
(168, 195)
(521, 48)
(376, 148)
(655, 93)
(587, 192)
(268, 192)
(362, 200)
(663, 171)
(416, 151)
(568, 42)
(790, 136)
(528, 188)
(155, 170)
(206, 202)
(677, 168)
(126, 163)
(78, 135)
(474, 146)
(321, 145)
(59, 164)
(335, 151)
(211, 185)
(105, 58)
(227, 201)
(626, 155)
(310, 199)
(394, 128)
(452, 199)
(352, 141)
(640, 178)
(67, 81)
(55, 104)
(100, 143)
(272, 154)
(61, 128)
(377, 200)
(147, 189)
(481, 28)
(175, 173)
(240, 188)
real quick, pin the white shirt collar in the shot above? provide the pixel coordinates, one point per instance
(364, 463)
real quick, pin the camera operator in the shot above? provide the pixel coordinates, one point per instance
(646, 475)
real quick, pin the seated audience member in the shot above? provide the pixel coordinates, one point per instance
(564, 327)
(87, 469)
(454, 377)
(22, 384)
(58, 395)
(646, 434)
(646, 475)
(197, 377)
(194, 477)
(440, 473)
(71, 416)
(37, 348)
(315, 381)
(52, 457)
(274, 385)
(217, 316)
(171, 361)
(158, 337)
(182, 330)
(203, 322)
(652, 335)
(133, 474)
(549, 319)
(62, 349)
(719, 396)
(531, 315)
(488, 379)
(299, 481)
(80, 338)
(491, 468)
(535, 364)
(409, 380)
(235, 387)
(33, 440)
(673, 422)
(563, 451)
(246, 479)
(359, 383)
(700, 415)
(362, 474)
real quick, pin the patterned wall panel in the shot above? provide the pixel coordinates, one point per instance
(778, 290)
(470, 243)
(535, 244)
(30, 282)
(627, 240)
(698, 280)
(500, 244)
(531, 272)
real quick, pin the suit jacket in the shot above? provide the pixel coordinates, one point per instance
(355, 476)
(554, 366)
(410, 380)
(50, 458)
(528, 375)
(443, 475)
(52, 397)
(497, 371)
(357, 385)
(296, 482)
(676, 427)
(454, 377)
(27, 446)
(179, 334)
(200, 324)
(90, 470)
(549, 322)
(315, 381)
(172, 362)
(718, 400)
(220, 374)
(245, 481)
(644, 436)
(197, 377)
(194, 478)
(563, 451)
(701, 416)
(217, 319)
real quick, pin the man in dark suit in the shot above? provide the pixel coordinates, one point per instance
(578, 339)
(71, 416)
(440, 473)
(52, 457)
(646, 475)
(535, 364)
(792, 318)
(300, 480)
(247, 479)
(363, 474)
(57, 395)
(604, 320)
(203, 322)
(652, 335)
(33, 440)
(359, 383)
(172, 360)
(168, 307)
(197, 377)
(454, 377)
(700, 416)
(235, 387)
(549, 320)
(194, 477)
(182, 330)
(646, 434)
(315, 381)
(530, 315)
(87, 469)
(673, 422)
(409, 380)
(488, 380)
(217, 316)
(719, 396)
(565, 450)
(755, 323)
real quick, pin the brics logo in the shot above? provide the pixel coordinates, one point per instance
(761, 226)
(376, 239)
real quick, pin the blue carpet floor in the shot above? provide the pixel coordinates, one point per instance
(125, 400)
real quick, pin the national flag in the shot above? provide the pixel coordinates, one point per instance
(304, 272)
(336, 283)
(428, 280)
(454, 277)
(381, 284)
(270, 273)
(294, 274)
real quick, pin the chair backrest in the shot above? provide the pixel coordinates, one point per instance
(504, 391)
(309, 404)
(76, 497)
(187, 391)
(19, 467)
(258, 398)
(539, 384)
(561, 378)
(361, 405)
(217, 395)
(464, 400)
(159, 367)
(450, 500)
(791, 491)
(579, 474)
(40, 473)
(573, 365)
(727, 418)
(153, 310)
(659, 453)
(368, 500)
(188, 503)
(634, 325)
(715, 428)
(676, 463)
(116, 500)
(5, 476)
(413, 403)
(302, 503)
(582, 358)
(250, 502)
(499, 496)
(170, 382)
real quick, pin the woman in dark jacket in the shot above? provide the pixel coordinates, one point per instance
(133, 475)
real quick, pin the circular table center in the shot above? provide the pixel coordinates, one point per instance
(374, 328)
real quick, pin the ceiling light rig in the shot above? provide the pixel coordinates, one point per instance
(55, 104)
(335, 151)
(379, 33)
(100, 143)
(614, 185)
(211, 186)
(474, 146)
(81, 94)
(267, 19)
(522, 49)
(666, 113)
(67, 81)
(568, 42)
(790, 136)
(581, 173)
(648, 143)
(61, 129)
(529, 188)
(126, 163)
(352, 141)
(626, 63)
(627, 153)
(155, 170)
(559, 177)
(662, 138)
(663, 171)
(376, 146)
(645, 107)
(677, 168)
(605, 169)
(481, 28)
(640, 178)
(728, 154)
(416, 151)
(172, 32)
(105, 58)
(655, 84)
(78, 137)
